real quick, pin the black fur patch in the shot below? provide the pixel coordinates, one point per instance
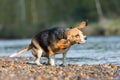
(47, 37)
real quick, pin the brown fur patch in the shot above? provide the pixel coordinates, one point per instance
(35, 52)
(35, 44)
(50, 51)
(63, 44)
(58, 46)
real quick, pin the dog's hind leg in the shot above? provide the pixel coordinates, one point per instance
(37, 53)
(37, 61)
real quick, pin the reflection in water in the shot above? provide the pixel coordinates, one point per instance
(97, 50)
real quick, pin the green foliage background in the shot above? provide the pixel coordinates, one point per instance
(24, 18)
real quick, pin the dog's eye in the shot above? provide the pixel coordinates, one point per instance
(77, 35)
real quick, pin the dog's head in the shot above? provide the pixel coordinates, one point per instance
(75, 35)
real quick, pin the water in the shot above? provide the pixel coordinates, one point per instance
(97, 50)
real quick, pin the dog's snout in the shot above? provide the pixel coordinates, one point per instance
(85, 37)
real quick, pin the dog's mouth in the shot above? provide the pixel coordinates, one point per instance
(83, 40)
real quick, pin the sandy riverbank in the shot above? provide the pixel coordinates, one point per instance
(17, 69)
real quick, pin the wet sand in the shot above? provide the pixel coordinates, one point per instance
(18, 69)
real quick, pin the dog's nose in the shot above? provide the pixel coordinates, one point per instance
(85, 37)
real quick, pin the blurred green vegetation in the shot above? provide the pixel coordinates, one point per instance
(24, 18)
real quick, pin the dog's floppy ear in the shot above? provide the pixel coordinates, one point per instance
(82, 25)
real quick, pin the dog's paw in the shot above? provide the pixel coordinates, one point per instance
(33, 63)
(62, 65)
(39, 64)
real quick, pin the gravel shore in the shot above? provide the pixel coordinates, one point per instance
(18, 69)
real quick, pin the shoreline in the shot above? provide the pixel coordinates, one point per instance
(18, 69)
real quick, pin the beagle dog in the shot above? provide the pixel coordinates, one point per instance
(53, 41)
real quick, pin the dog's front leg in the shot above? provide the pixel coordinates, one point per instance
(51, 57)
(51, 60)
(64, 56)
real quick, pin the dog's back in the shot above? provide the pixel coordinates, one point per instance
(48, 37)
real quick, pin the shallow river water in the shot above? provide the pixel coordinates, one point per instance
(97, 50)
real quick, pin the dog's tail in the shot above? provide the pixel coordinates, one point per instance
(21, 51)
